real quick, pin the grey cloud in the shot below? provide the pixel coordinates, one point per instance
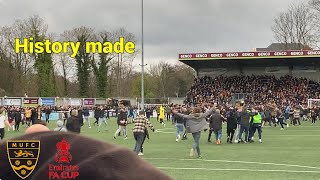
(171, 26)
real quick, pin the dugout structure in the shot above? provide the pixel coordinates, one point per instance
(301, 64)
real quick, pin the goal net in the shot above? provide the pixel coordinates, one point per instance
(313, 102)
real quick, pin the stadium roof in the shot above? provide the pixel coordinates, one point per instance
(284, 47)
(259, 58)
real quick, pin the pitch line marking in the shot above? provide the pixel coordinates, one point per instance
(242, 162)
(252, 170)
(288, 135)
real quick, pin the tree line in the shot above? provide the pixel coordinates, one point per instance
(298, 26)
(85, 75)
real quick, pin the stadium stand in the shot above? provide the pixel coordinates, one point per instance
(261, 89)
(272, 74)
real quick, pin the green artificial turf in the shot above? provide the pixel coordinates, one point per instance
(292, 153)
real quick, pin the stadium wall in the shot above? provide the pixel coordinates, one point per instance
(275, 71)
(56, 101)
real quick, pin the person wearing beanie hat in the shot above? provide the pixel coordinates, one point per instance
(60, 127)
(64, 155)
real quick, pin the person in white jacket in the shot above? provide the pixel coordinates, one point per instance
(3, 122)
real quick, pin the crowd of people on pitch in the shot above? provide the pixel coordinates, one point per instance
(33, 115)
(271, 115)
(243, 117)
(25, 115)
(261, 89)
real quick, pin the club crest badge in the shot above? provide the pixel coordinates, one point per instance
(23, 156)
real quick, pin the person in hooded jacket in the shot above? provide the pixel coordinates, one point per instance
(60, 127)
(195, 122)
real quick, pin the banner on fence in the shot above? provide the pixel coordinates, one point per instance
(88, 102)
(48, 101)
(12, 102)
(75, 102)
(101, 101)
(27, 102)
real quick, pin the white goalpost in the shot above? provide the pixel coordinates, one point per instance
(313, 102)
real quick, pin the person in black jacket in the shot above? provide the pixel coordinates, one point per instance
(231, 124)
(96, 115)
(267, 117)
(122, 123)
(33, 115)
(149, 112)
(215, 124)
(11, 119)
(47, 112)
(73, 122)
(17, 118)
(102, 118)
(245, 116)
(80, 116)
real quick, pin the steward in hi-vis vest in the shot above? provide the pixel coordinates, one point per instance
(257, 119)
(256, 124)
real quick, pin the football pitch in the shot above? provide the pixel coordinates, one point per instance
(292, 153)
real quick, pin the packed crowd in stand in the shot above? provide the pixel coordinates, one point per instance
(261, 90)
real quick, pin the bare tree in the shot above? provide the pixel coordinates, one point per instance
(124, 60)
(162, 73)
(21, 62)
(315, 5)
(65, 65)
(295, 27)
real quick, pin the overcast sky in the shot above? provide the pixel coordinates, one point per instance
(171, 26)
